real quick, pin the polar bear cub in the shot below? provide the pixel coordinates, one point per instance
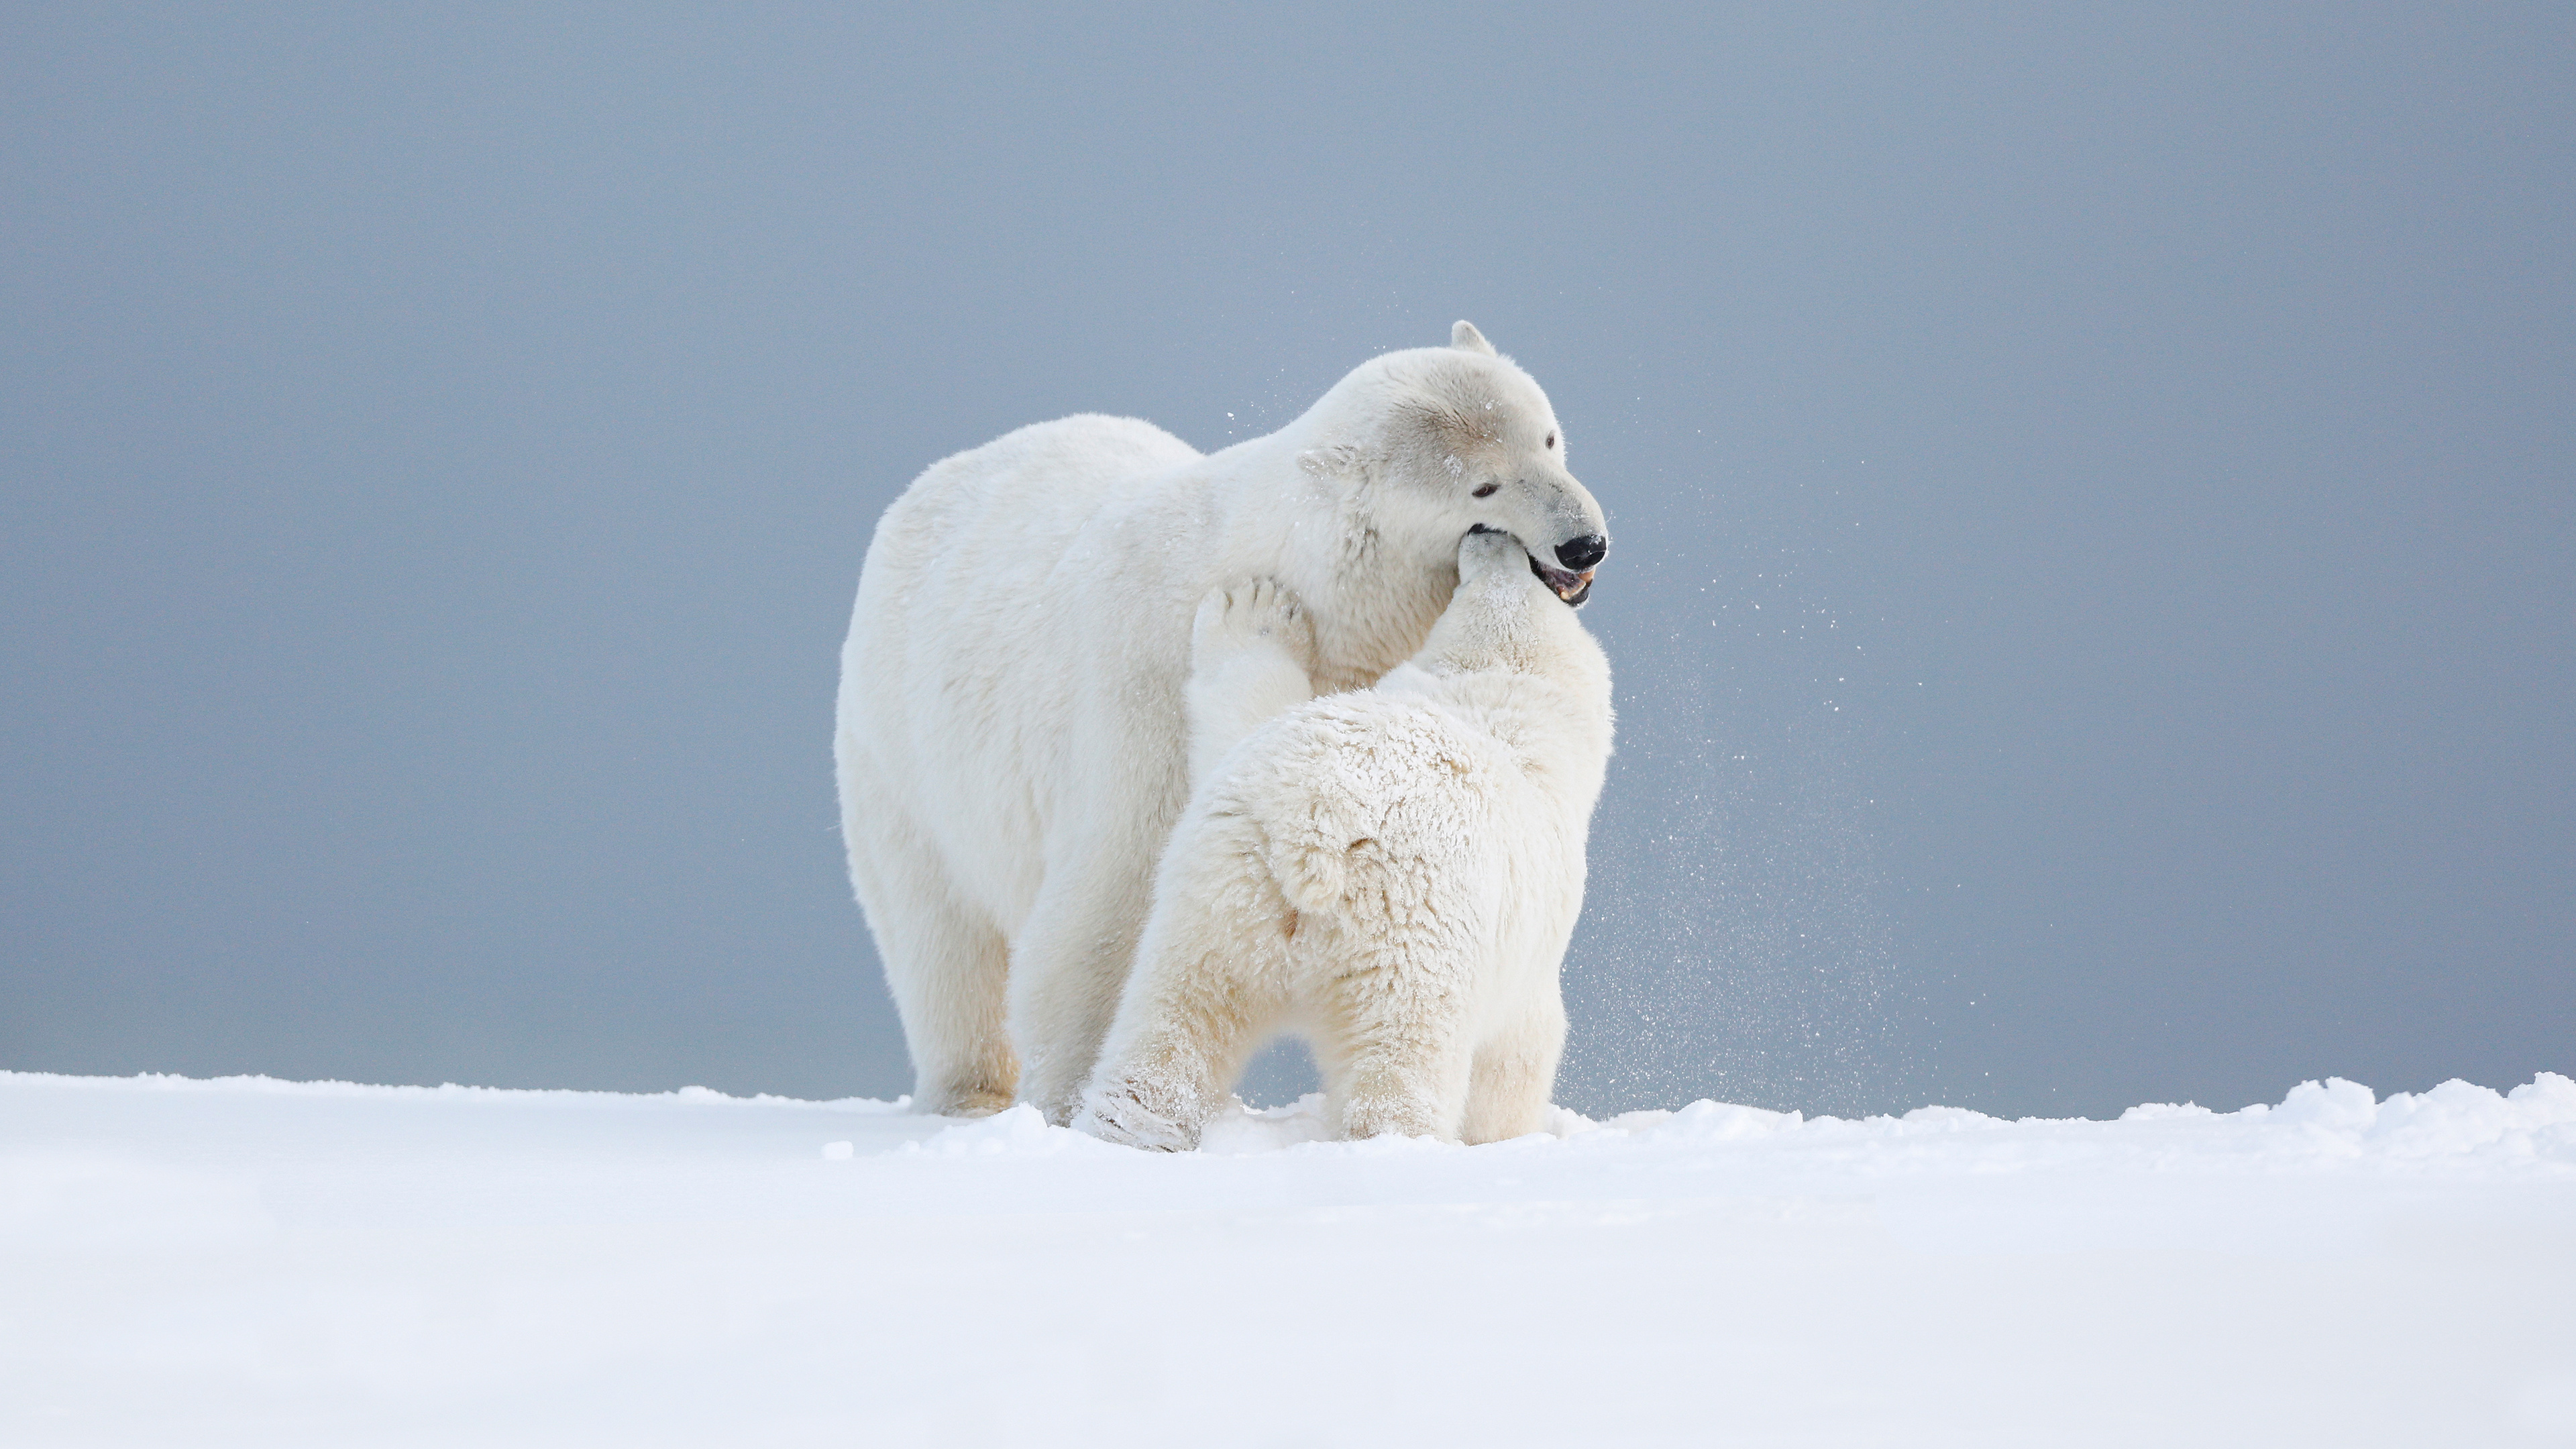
(1392, 873)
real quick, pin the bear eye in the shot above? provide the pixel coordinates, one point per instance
(1488, 490)
(1551, 441)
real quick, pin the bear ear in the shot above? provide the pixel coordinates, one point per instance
(1464, 336)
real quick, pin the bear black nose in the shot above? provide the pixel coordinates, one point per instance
(1582, 553)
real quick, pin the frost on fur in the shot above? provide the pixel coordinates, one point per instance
(1393, 872)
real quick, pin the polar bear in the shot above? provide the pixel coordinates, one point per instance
(1011, 738)
(1392, 872)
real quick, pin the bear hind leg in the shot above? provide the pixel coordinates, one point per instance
(1205, 991)
(948, 969)
(1515, 1076)
(1395, 1052)
(1156, 1089)
(1069, 965)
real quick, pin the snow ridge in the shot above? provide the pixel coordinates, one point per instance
(255, 1262)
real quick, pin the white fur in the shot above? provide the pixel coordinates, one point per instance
(1252, 657)
(1392, 872)
(1012, 739)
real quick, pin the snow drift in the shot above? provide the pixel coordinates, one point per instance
(252, 1261)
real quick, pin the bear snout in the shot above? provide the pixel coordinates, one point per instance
(1582, 553)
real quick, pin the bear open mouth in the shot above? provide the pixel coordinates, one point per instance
(1574, 588)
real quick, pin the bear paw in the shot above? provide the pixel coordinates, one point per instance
(1116, 1112)
(969, 1102)
(1252, 616)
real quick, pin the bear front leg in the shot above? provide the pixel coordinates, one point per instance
(1252, 656)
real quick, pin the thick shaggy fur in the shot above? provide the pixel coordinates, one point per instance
(1012, 737)
(1393, 872)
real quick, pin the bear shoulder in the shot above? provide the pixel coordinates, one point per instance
(1356, 765)
(1049, 467)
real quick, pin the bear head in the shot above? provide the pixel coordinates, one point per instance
(1448, 439)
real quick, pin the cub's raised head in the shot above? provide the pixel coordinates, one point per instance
(1491, 562)
(1458, 437)
(1502, 617)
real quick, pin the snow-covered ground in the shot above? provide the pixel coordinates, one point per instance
(258, 1262)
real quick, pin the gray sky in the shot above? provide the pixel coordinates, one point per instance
(2092, 494)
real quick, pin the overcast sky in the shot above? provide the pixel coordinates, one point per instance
(2092, 602)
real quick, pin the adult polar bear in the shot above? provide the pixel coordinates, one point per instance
(1012, 742)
